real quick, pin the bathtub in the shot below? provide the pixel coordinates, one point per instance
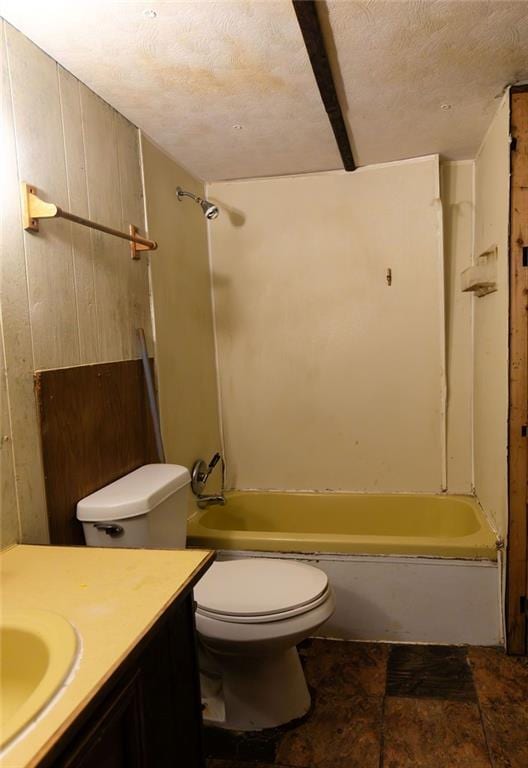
(423, 525)
(404, 568)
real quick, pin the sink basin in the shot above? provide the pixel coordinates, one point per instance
(37, 651)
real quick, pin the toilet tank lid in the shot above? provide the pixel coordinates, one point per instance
(134, 494)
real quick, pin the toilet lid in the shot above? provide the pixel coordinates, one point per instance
(259, 587)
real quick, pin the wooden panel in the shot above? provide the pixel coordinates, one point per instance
(133, 212)
(517, 570)
(9, 532)
(112, 256)
(83, 257)
(17, 336)
(69, 297)
(95, 427)
(40, 155)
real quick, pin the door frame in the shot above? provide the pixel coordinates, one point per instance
(517, 545)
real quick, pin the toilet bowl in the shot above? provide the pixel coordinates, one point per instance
(250, 615)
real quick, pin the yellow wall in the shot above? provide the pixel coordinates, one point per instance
(329, 378)
(181, 288)
(458, 206)
(492, 168)
(68, 296)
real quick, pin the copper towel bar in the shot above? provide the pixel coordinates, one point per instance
(33, 209)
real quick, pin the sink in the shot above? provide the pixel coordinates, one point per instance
(37, 651)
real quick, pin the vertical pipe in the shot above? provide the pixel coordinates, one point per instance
(151, 395)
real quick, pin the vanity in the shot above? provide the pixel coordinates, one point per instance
(130, 695)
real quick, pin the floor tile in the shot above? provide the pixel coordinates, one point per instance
(498, 677)
(506, 727)
(349, 668)
(433, 733)
(352, 721)
(342, 732)
(213, 763)
(238, 745)
(430, 671)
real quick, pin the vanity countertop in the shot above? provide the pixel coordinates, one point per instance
(112, 597)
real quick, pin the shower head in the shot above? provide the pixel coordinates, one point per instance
(210, 211)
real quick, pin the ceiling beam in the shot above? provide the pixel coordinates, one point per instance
(308, 19)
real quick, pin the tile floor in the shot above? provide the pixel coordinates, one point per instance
(394, 706)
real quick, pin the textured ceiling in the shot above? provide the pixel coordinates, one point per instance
(399, 62)
(196, 70)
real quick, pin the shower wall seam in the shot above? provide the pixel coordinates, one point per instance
(472, 333)
(443, 342)
(215, 342)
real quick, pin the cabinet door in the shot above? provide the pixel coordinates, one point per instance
(114, 739)
(187, 680)
(171, 693)
(152, 718)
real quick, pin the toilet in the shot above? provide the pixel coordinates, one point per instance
(250, 613)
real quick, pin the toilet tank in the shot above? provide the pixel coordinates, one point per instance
(147, 508)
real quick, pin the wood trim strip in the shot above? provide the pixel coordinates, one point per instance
(308, 19)
(517, 551)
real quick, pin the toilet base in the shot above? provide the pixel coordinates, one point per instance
(261, 691)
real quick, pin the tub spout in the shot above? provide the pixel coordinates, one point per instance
(209, 501)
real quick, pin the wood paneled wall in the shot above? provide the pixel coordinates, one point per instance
(69, 296)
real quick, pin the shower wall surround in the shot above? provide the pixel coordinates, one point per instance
(492, 185)
(331, 378)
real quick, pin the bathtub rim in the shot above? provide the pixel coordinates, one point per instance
(483, 544)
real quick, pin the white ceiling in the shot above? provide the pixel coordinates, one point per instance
(401, 61)
(199, 68)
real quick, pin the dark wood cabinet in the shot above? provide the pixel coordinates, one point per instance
(115, 737)
(148, 715)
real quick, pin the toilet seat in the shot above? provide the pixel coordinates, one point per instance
(260, 590)
(260, 618)
(264, 636)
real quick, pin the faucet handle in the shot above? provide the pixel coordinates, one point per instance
(199, 476)
(200, 473)
(212, 464)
